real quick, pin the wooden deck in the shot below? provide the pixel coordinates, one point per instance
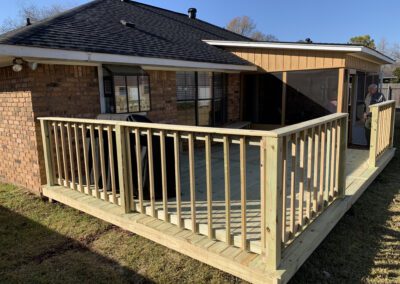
(246, 265)
(252, 203)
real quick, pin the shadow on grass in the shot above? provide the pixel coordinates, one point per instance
(31, 253)
(364, 245)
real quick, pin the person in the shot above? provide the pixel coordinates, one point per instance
(373, 97)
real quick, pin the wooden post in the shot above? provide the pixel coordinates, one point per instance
(273, 199)
(284, 95)
(342, 94)
(47, 150)
(393, 121)
(374, 136)
(122, 169)
(342, 149)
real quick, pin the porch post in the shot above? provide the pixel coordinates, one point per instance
(44, 125)
(284, 95)
(272, 213)
(122, 167)
(374, 135)
(342, 97)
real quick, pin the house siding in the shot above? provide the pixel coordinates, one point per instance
(51, 90)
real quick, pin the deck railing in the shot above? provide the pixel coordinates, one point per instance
(382, 129)
(231, 185)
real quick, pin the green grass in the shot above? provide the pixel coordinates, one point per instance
(42, 243)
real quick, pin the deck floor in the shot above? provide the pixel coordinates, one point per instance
(357, 165)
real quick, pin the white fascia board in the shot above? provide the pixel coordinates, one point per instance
(89, 57)
(302, 46)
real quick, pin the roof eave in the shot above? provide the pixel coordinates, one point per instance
(93, 57)
(383, 59)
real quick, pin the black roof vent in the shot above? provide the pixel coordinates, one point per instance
(192, 13)
(127, 24)
(28, 22)
(308, 40)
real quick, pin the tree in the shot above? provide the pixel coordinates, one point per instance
(396, 73)
(364, 40)
(246, 26)
(259, 36)
(34, 13)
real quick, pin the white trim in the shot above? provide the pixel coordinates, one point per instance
(67, 55)
(303, 46)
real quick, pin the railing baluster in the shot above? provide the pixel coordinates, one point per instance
(164, 175)
(192, 182)
(64, 155)
(151, 171)
(284, 187)
(310, 135)
(112, 163)
(71, 156)
(129, 169)
(333, 160)
(301, 176)
(138, 148)
(322, 168)
(78, 157)
(243, 191)
(209, 185)
(57, 146)
(86, 158)
(103, 164)
(94, 161)
(325, 199)
(227, 178)
(293, 184)
(178, 179)
(317, 138)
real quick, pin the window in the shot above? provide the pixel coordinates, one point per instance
(311, 94)
(126, 93)
(201, 98)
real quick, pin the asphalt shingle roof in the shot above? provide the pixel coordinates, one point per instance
(158, 33)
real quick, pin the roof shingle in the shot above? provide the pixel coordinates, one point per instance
(158, 33)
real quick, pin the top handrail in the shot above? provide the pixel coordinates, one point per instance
(295, 128)
(284, 131)
(385, 103)
(167, 127)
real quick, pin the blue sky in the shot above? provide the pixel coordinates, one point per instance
(289, 20)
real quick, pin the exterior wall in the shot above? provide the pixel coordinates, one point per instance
(275, 60)
(163, 97)
(234, 97)
(359, 64)
(51, 90)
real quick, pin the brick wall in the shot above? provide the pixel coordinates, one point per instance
(163, 97)
(233, 95)
(51, 90)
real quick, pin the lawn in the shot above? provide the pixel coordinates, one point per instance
(42, 242)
